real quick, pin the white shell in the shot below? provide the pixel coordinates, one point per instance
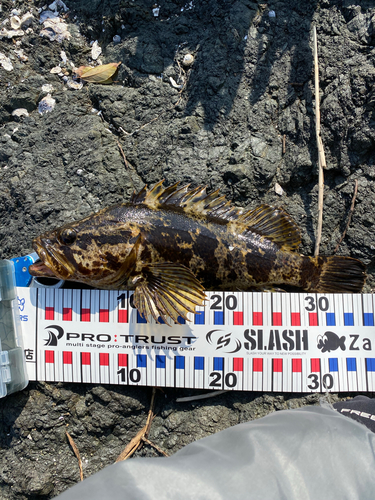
(188, 60)
(96, 50)
(5, 62)
(11, 33)
(56, 70)
(278, 189)
(117, 39)
(15, 22)
(46, 104)
(55, 29)
(174, 83)
(71, 84)
(47, 88)
(20, 112)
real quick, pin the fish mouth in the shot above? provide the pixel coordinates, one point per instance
(51, 265)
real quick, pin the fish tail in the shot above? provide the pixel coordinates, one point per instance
(342, 343)
(334, 274)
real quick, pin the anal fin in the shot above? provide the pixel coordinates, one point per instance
(167, 290)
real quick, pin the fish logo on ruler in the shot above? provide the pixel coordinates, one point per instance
(243, 341)
(330, 342)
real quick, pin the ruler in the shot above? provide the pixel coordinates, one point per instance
(279, 342)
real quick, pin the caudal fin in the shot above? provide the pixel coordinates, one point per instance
(340, 275)
(342, 343)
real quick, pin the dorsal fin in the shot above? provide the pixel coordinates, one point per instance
(273, 223)
(194, 200)
(265, 220)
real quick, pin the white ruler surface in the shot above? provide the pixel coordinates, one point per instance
(279, 342)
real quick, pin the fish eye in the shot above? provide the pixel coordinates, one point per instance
(67, 236)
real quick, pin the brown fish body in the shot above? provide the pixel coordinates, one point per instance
(170, 244)
(215, 252)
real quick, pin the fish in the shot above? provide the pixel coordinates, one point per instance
(170, 244)
(330, 342)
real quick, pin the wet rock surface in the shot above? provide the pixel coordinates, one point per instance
(239, 118)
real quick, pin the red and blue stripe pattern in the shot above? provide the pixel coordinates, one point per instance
(344, 372)
(221, 308)
(261, 374)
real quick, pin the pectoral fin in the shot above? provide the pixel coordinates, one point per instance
(167, 290)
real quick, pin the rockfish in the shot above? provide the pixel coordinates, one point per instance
(170, 244)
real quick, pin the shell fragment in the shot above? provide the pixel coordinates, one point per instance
(46, 104)
(188, 60)
(55, 29)
(20, 112)
(96, 50)
(5, 62)
(15, 22)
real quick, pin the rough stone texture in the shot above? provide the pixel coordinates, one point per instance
(249, 89)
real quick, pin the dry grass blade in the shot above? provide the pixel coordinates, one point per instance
(350, 215)
(132, 447)
(321, 155)
(76, 452)
(141, 436)
(155, 446)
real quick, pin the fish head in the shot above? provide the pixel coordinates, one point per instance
(99, 251)
(53, 262)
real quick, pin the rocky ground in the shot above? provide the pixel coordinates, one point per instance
(239, 118)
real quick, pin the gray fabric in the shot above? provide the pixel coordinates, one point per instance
(310, 453)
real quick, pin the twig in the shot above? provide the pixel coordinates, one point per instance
(138, 440)
(155, 446)
(321, 155)
(349, 217)
(127, 163)
(76, 452)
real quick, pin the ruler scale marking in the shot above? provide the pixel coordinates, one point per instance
(259, 341)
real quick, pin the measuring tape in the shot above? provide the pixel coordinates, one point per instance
(279, 342)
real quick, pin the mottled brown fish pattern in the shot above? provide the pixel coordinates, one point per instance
(170, 244)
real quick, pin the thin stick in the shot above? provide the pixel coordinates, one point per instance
(76, 453)
(155, 446)
(350, 215)
(141, 435)
(127, 163)
(321, 155)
